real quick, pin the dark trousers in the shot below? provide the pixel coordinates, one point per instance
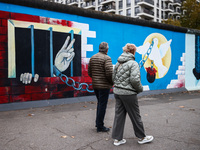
(127, 104)
(102, 100)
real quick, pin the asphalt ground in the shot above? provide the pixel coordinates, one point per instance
(172, 118)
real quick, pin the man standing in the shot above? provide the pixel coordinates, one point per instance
(100, 69)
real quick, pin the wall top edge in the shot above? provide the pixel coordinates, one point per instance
(95, 14)
(193, 31)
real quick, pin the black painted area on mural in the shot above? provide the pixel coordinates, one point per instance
(58, 41)
(23, 50)
(42, 51)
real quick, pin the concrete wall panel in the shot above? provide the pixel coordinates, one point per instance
(32, 42)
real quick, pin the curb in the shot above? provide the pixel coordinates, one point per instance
(54, 102)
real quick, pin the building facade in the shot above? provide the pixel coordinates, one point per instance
(152, 10)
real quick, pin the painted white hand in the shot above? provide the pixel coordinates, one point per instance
(27, 77)
(65, 55)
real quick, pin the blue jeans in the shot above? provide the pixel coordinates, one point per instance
(102, 100)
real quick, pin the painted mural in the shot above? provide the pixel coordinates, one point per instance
(156, 56)
(192, 62)
(45, 56)
(196, 70)
(45, 47)
(50, 50)
(157, 60)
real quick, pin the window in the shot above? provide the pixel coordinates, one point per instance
(128, 12)
(120, 4)
(178, 10)
(157, 13)
(137, 10)
(128, 3)
(121, 12)
(170, 16)
(93, 2)
(136, 1)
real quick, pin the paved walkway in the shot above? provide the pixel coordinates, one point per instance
(173, 120)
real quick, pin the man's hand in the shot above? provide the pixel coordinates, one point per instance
(65, 55)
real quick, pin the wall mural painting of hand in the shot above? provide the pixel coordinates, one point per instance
(65, 55)
(62, 61)
(27, 77)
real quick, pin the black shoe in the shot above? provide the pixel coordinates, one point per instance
(104, 129)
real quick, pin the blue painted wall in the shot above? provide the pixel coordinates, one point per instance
(117, 35)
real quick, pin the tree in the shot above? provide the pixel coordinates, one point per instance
(191, 14)
(172, 22)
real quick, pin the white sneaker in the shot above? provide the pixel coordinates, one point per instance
(146, 139)
(117, 142)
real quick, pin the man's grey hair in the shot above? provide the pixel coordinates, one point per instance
(103, 47)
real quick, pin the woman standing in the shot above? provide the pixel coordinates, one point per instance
(127, 85)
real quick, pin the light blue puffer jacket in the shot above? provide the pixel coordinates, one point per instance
(126, 75)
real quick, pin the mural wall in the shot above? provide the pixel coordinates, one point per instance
(192, 71)
(45, 55)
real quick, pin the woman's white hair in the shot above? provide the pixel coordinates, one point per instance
(128, 47)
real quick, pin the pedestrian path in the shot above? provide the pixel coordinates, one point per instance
(172, 118)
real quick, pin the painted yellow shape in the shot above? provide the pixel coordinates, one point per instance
(42, 26)
(166, 60)
(11, 51)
